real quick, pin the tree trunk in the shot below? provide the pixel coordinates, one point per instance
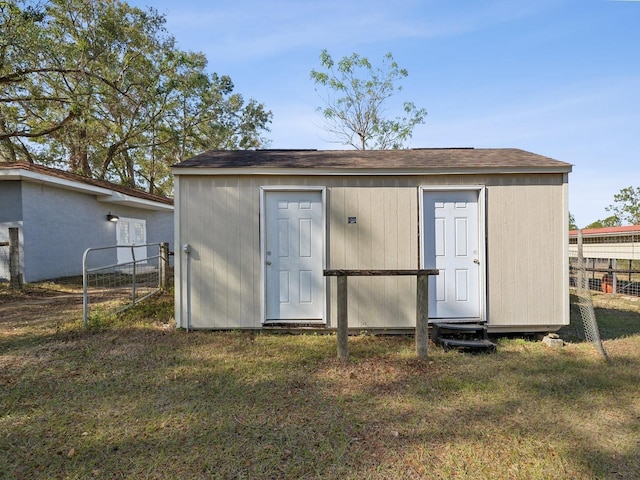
(130, 168)
(7, 144)
(79, 155)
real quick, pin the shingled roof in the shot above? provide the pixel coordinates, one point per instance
(428, 159)
(6, 167)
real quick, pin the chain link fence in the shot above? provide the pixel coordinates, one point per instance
(581, 286)
(581, 293)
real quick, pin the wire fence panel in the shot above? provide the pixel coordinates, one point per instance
(580, 286)
(611, 258)
(113, 287)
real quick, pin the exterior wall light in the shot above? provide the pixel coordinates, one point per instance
(112, 218)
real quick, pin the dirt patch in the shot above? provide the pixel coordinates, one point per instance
(39, 308)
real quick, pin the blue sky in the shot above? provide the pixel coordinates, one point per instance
(556, 77)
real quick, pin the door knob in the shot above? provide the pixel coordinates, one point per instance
(476, 261)
(268, 262)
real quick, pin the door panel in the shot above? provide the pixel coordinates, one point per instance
(131, 231)
(452, 245)
(294, 246)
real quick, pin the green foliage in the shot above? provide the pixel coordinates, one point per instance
(357, 94)
(100, 88)
(626, 206)
(572, 222)
(612, 221)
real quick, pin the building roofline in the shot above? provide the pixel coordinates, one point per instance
(428, 161)
(104, 191)
(607, 231)
(292, 171)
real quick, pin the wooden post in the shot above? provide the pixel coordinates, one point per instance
(422, 316)
(343, 322)
(164, 265)
(14, 259)
(422, 305)
(133, 279)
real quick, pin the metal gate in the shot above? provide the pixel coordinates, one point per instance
(113, 287)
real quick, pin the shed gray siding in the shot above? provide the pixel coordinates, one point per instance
(223, 232)
(526, 228)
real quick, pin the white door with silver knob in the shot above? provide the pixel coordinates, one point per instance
(293, 255)
(452, 244)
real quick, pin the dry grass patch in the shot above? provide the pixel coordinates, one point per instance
(131, 397)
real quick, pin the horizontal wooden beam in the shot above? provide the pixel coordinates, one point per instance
(377, 273)
(422, 305)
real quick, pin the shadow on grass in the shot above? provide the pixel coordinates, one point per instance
(153, 402)
(166, 404)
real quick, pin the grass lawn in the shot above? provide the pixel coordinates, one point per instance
(133, 397)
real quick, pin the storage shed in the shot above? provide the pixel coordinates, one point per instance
(256, 229)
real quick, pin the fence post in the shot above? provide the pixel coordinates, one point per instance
(582, 272)
(164, 265)
(14, 258)
(85, 289)
(422, 316)
(343, 322)
(133, 286)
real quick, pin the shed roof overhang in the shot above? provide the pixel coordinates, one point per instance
(436, 161)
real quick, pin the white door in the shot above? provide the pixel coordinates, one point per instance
(131, 231)
(452, 245)
(293, 255)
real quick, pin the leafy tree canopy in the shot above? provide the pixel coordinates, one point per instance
(612, 221)
(356, 98)
(626, 206)
(100, 88)
(572, 222)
